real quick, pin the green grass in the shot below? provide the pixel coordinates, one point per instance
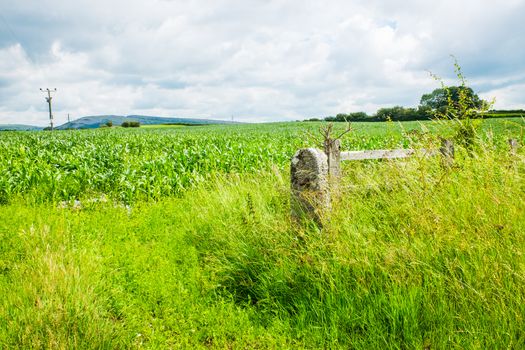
(504, 114)
(412, 255)
(163, 126)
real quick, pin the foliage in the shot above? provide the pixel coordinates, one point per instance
(396, 113)
(462, 106)
(149, 164)
(399, 113)
(424, 111)
(342, 117)
(441, 99)
(414, 256)
(130, 124)
(130, 165)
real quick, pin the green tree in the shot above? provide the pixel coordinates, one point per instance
(343, 117)
(459, 104)
(399, 113)
(445, 97)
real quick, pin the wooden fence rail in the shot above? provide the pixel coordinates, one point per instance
(312, 170)
(385, 154)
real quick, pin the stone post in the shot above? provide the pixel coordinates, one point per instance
(447, 152)
(310, 190)
(513, 144)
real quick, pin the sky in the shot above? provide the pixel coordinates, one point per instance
(251, 60)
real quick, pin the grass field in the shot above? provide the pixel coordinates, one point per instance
(163, 126)
(193, 245)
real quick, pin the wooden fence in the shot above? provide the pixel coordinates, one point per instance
(313, 171)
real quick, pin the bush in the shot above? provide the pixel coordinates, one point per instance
(354, 116)
(130, 124)
(399, 113)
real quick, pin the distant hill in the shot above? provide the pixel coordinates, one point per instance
(93, 122)
(19, 127)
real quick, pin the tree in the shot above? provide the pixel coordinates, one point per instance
(399, 113)
(460, 105)
(127, 124)
(342, 117)
(445, 97)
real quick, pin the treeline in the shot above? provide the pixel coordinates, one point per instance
(435, 103)
(396, 113)
(399, 113)
(130, 124)
(509, 111)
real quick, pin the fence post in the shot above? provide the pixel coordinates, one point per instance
(447, 152)
(332, 149)
(513, 143)
(310, 190)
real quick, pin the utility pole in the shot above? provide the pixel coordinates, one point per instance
(48, 100)
(69, 121)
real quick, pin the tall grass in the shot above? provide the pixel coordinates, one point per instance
(413, 255)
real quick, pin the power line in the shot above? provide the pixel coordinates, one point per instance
(9, 28)
(15, 38)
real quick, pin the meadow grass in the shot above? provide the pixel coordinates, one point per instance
(412, 255)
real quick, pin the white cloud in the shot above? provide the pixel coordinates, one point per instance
(258, 60)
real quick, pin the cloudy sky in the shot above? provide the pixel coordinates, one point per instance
(255, 60)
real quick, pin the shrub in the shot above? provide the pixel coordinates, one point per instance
(130, 124)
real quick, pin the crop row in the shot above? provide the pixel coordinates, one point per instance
(127, 165)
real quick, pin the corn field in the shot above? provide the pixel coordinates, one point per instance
(147, 164)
